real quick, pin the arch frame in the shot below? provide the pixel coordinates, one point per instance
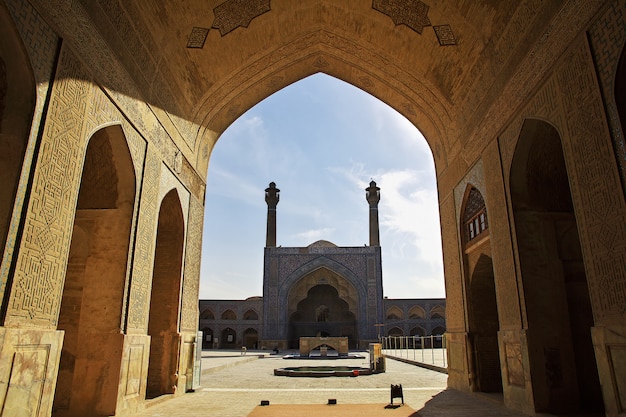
(329, 51)
(318, 263)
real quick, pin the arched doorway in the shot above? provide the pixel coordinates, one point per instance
(250, 338)
(322, 313)
(556, 297)
(207, 338)
(417, 312)
(17, 101)
(417, 331)
(484, 326)
(394, 313)
(165, 298)
(229, 339)
(395, 331)
(250, 315)
(93, 294)
(483, 323)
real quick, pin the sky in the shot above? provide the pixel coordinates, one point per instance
(321, 141)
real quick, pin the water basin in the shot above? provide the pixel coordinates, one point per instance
(322, 371)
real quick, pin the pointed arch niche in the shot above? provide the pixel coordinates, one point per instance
(163, 321)
(556, 296)
(483, 323)
(93, 294)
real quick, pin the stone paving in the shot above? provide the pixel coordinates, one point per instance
(232, 385)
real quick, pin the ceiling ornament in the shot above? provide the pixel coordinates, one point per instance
(412, 13)
(235, 13)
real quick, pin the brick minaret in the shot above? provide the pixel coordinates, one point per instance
(271, 198)
(373, 197)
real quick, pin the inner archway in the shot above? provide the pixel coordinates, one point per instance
(558, 308)
(322, 313)
(93, 295)
(483, 321)
(165, 298)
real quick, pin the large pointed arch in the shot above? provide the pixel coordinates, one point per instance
(223, 104)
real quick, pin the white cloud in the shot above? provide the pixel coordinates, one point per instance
(234, 186)
(410, 213)
(313, 235)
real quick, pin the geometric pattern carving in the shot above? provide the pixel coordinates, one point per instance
(193, 248)
(144, 246)
(412, 13)
(235, 13)
(40, 42)
(197, 37)
(607, 37)
(444, 35)
(597, 179)
(42, 260)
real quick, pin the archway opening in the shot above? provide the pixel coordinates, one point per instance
(484, 326)
(93, 294)
(483, 320)
(165, 298)
(322, 313)
(395, 331)
(329, 155)
(394, 313)
(250, 315)
(207, 338)
(250, 338)
(558, 308)
(417, 312)
(229, 339)
(417, 331)
(229, 315)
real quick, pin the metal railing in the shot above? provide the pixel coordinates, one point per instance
(425, 349)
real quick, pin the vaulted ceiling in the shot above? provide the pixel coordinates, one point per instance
(447, 65)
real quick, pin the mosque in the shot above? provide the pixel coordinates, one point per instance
(318, 290)
(109, 112)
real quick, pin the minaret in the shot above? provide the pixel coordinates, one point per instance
(373, 197)
(271, 198)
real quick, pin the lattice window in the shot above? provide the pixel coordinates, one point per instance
(322, 313)
(475, 218)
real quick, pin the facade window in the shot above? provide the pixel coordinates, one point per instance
(475, 217)
(322, 314)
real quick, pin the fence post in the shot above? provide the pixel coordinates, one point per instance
(432, 349)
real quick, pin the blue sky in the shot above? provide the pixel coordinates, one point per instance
(321, 141)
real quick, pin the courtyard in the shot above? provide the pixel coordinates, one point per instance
(233, 385)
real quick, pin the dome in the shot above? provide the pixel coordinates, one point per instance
(322, 244)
